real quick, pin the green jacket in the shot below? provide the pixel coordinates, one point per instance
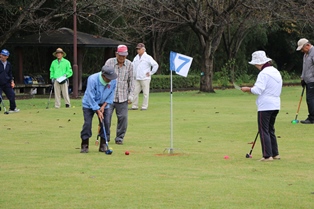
(59, 69)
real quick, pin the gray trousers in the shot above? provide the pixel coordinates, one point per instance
(86, 132)
(122, 116)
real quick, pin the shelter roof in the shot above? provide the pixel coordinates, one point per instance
(64, 37)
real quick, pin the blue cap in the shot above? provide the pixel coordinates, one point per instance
(5, 52)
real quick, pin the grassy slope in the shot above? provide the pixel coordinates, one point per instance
(41, 166)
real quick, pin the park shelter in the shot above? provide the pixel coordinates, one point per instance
(62, 37)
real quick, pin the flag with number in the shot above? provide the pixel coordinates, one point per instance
(180, 63)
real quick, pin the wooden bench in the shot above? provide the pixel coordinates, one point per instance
(27, 88)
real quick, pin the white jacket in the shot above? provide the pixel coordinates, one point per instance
(268, 88)
(143, 65)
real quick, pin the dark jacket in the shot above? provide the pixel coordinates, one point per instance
(5, 74)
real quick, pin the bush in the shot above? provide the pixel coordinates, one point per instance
(163, 81)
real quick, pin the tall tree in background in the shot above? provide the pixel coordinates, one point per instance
(205, 17)
(209, 19)
(35, 16)
(158, 21)
(24, 16)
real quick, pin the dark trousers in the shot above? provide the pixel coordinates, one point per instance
(266, 128)
(310, 100)
(86, 132)
(9, 92)
(122, 115)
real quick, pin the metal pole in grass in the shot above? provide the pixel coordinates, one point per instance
(171, 117)
(170, 149)
(180, 64)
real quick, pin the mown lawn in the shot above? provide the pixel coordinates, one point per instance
(41, 166)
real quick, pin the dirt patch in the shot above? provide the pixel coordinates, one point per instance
(170, 155)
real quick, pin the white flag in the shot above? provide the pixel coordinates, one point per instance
(180, 63)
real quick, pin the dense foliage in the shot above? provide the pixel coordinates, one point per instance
(219, 35)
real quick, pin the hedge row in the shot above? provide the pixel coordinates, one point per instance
(178, 82)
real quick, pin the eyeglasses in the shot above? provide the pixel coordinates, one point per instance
(138, 48)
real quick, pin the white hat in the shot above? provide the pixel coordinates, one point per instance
(259, 58)
(301, 43)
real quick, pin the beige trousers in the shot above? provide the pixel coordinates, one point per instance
(64, 89)
(144, 86)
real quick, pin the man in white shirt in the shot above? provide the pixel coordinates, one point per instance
(144, 67)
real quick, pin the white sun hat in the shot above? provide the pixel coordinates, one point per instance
(259, 58)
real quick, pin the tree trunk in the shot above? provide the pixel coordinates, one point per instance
(206, 84)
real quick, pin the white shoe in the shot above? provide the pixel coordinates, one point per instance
(15, 110)
(266, 159)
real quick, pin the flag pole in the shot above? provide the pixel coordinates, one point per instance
(171, 117)
(180, 64)
(170, 150)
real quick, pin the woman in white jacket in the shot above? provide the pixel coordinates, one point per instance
(268, 88)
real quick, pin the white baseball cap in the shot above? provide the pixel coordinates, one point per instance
(301, 43)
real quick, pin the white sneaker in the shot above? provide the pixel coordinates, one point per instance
(266, 159)
(15, 110)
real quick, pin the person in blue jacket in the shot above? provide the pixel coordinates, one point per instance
(98, 96)
(6, 80)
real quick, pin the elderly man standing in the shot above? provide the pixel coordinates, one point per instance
(123, 93)
(60, 71)
(144, 67)
(307, 77)
(6, 80)
(97, 97)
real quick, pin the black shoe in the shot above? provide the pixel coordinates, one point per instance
(84, 146)
(67, 106)
(133, 108)
(307, 121)
(102, 146)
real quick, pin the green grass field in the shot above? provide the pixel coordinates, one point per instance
(42, 167)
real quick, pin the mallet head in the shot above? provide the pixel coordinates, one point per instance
(248, 155)
(295, 121)
(6, 112)
(108, 152)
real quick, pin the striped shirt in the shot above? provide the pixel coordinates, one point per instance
(125, 85)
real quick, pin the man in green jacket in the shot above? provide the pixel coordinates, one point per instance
(60, 71)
